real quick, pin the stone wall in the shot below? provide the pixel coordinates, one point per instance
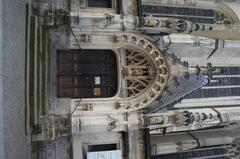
(1, 89)
(12, 75)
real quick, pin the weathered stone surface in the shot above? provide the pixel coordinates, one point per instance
(13, 142)
(1, 89)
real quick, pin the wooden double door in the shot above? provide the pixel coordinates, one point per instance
(86, 74)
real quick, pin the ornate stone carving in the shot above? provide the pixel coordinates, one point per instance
(138, 73)
(146, 71)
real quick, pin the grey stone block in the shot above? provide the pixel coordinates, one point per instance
(1, 86)
(1, 90)
(15, 144)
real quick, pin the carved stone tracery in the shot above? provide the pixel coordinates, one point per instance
(138, 73)
(146, 71)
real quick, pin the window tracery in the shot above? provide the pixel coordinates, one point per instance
(138, 73)
(145, 71)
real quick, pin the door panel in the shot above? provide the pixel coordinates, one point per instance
(100, 3)
(86, 73)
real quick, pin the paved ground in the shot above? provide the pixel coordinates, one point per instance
(13, 142)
